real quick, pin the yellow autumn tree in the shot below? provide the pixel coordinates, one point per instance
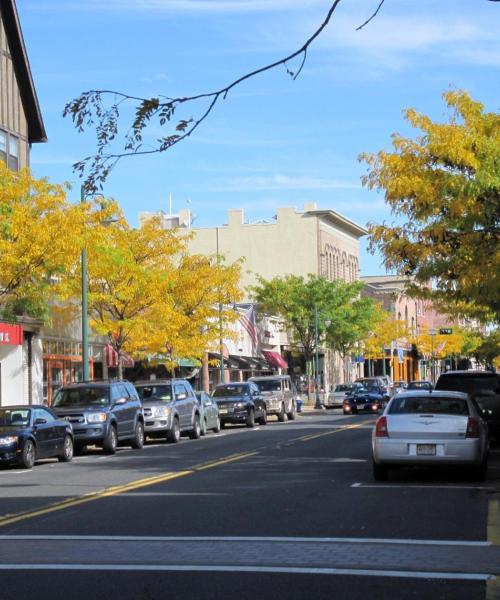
(386, 330)
(40, 241)
(443, 187)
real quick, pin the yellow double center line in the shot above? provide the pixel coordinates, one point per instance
(10, 519)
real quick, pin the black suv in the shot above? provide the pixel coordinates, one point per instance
(102, 414)
(484, 389)
(240, 403)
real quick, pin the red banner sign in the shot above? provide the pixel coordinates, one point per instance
(11, 335)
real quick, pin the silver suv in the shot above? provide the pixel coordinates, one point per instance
(170, 409)
(279, 394)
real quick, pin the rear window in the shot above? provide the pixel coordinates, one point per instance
(470, 384)
(430, 404)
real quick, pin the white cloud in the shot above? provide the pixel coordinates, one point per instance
(280, 182)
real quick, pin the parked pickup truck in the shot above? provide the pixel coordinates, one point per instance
(279, 394)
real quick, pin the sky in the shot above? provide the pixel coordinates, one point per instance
(274, 141)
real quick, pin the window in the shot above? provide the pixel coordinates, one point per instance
(9, 150)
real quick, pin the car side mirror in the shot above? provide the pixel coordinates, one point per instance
(40, 421)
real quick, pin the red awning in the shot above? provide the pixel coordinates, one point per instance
(11, 335)
(112, 357)
(275, 359)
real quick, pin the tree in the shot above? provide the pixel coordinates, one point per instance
(315, 310)
(101, 110)
(145, 294)
(386, 330)
(444, 188)
(40, 241)
(487, 350)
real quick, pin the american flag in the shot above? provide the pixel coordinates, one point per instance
(247, 319)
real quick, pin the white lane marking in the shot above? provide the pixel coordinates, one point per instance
(423, 486)
(250, 569)
(293, 540)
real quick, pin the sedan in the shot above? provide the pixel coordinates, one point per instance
(28, 433)
(430, 429)
(363, 399)
(336, 397)
(240, 403)
(209, 413)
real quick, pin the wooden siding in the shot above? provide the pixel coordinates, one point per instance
(12, 115)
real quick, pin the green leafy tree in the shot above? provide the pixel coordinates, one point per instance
(333, 307)
(444, 189)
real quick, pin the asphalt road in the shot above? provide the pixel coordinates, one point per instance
(289, 510)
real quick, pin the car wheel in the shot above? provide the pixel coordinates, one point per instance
(204, 427)
(282, 414)
(174, 433)
(380, 472)
(28, 456)
(250, 422)
(263, 419)
(111, 441)
(195, 432)
(217, 427)
(137, 442)
(291, 414)
(67, 451)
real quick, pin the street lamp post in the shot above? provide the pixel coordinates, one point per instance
(85, 316)
(317, 404)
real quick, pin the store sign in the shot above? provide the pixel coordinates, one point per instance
(11, 335)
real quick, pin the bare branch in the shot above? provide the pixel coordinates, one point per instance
(372, 17)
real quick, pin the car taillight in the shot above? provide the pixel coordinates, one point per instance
(381, 427)
(375, 406)
(472, 428)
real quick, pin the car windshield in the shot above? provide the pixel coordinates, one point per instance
(471, 384)
(148, 393)
(15, 417)
(269, 385)
(430, 404)
(226, 391)
(369, 383)
(343, 387)
(81, 396)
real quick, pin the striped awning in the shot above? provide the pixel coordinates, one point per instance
(112, 357)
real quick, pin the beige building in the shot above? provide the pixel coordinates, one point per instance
(320, 242)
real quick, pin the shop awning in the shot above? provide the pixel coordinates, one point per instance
(112, 357)
(275, 359)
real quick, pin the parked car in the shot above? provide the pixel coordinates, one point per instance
(433, 429)
(420, 385)
(280, 395)
(171, 409)
(28, 433)
(363, 399)
(484, 389)
(336, 397)
(209, 412)
(240, 403)
(102, 414)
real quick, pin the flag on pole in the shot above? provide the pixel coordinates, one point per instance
(247, 319)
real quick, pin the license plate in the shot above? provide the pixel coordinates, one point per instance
(426, 449)
(222, 411)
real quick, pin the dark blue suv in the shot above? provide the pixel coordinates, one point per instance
(102, 414)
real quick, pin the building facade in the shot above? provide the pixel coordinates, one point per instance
(21, 125)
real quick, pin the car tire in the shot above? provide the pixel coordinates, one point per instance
(291, 414)
(203, 430)
(174, 433)
(250, 422)
(263, 420)
(27, 457)
(111, 441)
(380, 472)
(479, 473)
(137, 442)
(67, 450)
(282, 414)
(195, 432)
(217, 427)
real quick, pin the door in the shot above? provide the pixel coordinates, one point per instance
(45, 433)
(118, 393)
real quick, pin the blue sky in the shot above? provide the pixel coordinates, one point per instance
(273, 141)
